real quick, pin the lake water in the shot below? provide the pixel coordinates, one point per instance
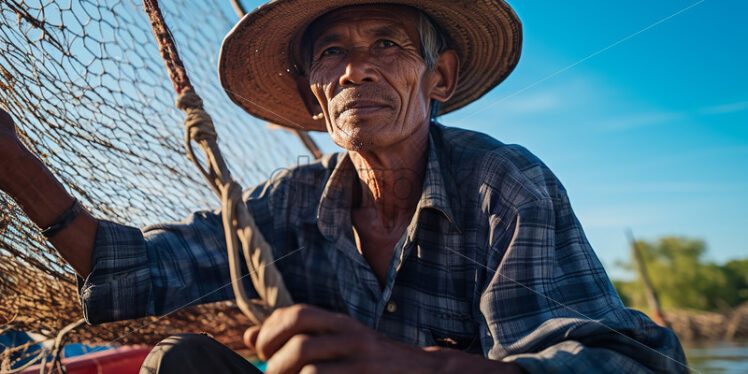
(717, 357)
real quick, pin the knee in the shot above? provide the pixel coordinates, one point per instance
(172, 354)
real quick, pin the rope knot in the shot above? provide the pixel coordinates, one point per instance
(198, 122)
(189, 99)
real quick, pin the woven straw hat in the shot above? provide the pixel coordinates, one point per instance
(258, 63)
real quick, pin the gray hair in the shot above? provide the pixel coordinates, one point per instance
(433, 41)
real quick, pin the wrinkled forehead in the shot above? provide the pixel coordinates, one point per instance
(380, 16)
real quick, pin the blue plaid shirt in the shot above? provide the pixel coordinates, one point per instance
(494, 262)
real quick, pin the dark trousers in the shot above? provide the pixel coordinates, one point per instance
(194, 353)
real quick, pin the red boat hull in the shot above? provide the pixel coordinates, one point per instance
(122, 360)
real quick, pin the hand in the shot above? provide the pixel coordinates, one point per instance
(306, 339)
(11, 148)
(7, 129)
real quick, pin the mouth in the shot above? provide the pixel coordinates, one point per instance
(360, 107)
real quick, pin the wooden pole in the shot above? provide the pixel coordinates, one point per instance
(238, 8)
(307, 140)
(652, 300)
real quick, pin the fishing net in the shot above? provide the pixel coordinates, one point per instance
(91, 98)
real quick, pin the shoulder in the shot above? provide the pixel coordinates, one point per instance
(292, 193)
(308, 175)
(311, 175)
(509, 172)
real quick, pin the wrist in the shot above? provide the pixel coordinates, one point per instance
(34, 188)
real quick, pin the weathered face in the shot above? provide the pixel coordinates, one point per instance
(368, 75)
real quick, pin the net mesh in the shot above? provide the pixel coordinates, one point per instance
(91, 98)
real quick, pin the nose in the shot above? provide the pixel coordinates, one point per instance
(358, 69)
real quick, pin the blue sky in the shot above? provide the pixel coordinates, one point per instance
(650, 133)
(639, 107)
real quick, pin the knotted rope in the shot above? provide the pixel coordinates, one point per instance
(238, 225)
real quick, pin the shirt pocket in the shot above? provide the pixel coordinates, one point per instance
(468, 343)
(449, 323)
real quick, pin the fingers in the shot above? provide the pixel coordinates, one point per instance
(302, 350)
(299, 319)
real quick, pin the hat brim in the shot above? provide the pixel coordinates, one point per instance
(256, 65)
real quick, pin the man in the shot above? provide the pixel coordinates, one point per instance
(423, 248)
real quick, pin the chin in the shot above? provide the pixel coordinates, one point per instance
(358, 145)
(368, 132)
(359, 135)
(354, 142)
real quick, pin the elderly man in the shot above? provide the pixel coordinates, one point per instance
(422, 248)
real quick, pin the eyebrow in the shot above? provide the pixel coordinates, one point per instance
(379, 32)
(327, 39)
(385, 31)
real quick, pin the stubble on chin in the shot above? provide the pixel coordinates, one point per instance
(359, 145)
(350, 137)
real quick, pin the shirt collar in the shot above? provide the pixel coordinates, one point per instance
(334, 209)
(333, 212)
(437, 184)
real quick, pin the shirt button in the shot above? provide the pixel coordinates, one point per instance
(391, 307)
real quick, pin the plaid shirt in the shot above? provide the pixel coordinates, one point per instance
(494, 262)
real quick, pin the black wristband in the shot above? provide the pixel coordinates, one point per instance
(64, 220)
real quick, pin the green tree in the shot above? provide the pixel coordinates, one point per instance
(738, 271)
(682, 279)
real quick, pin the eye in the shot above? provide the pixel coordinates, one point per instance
(385, 43)
(332, 51)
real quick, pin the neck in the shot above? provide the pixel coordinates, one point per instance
(390, 180)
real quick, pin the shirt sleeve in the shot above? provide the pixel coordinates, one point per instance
(162, 268)
(550, 307)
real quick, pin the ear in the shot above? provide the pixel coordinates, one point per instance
(447, 70)
(310, 101)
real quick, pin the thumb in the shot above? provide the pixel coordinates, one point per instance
(250, 337)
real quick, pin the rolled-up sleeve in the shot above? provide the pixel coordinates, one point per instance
(550, 307)
(156, 270)
(165, 267)
(119, 285)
